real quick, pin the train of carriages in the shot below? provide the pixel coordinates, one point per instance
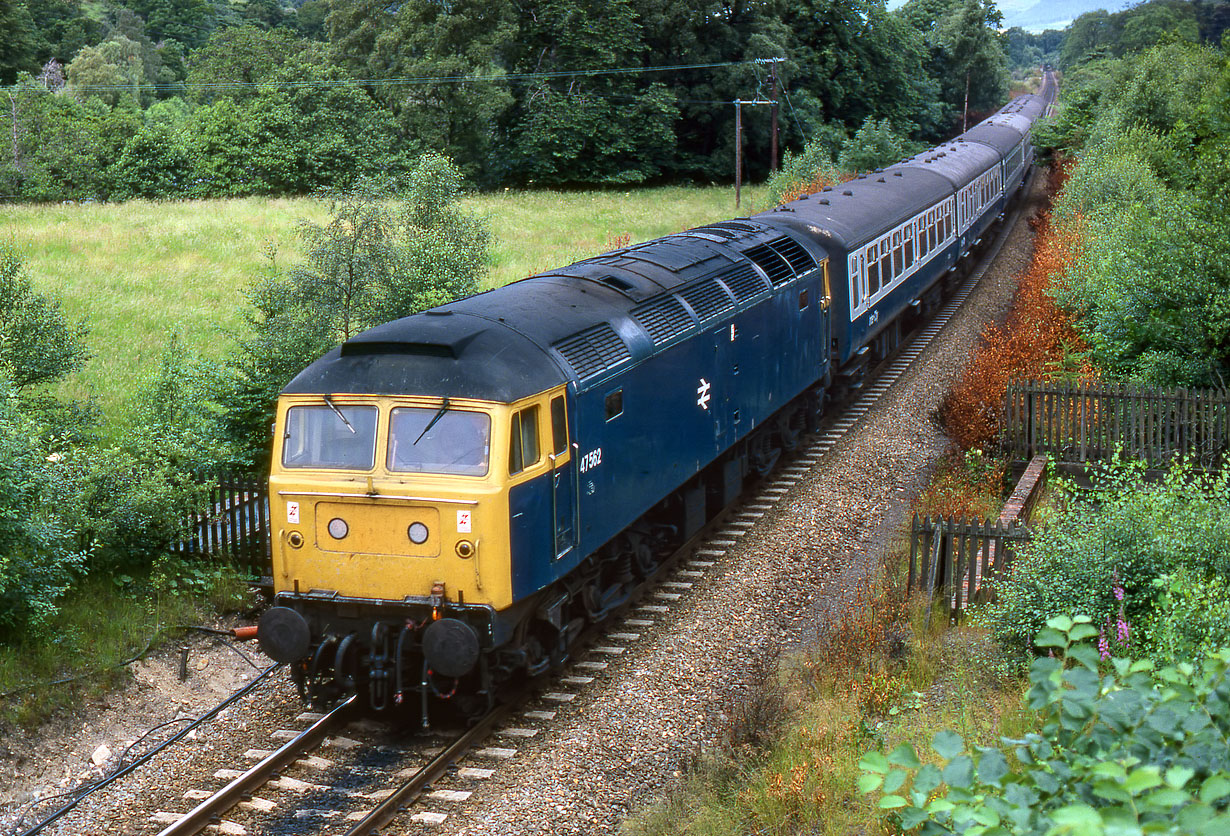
(456, 494)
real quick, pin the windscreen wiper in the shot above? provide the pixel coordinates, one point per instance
(329, 403)
(439, 414)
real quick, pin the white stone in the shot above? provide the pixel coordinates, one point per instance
(259, 805)
(101, 755)
(429, 818)
(516, 732)
(495, 753)
(449, 795)
(475, 773)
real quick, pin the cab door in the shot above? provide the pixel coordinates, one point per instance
(563, 480)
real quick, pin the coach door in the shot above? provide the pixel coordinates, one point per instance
(563, 480)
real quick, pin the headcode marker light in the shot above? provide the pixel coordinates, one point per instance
(338, 528)
(418, 533)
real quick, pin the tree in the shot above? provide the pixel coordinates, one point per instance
(18, 50)
(38, 345)
(967, 34)
(584, 128)
(238, 58)
(383, 254)
(422, 39)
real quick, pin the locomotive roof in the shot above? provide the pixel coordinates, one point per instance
(958, 161)
(853, 213)
(568, 324)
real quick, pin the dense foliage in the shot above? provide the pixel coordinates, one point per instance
(183, 98)
(1144, 555)
(1122, 747)
(1148, 200)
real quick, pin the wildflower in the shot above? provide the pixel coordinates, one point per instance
(1122, 630)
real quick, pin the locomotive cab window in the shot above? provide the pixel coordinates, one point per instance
(559, 426)
(330, 436)
(439, 440)
(803, 300)
(523, 447)
(614, 404)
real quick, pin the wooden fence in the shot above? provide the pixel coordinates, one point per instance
(1091, 422)
(960, 560)
(234, 525)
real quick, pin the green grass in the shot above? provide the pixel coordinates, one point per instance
(136, 272)
(100, 625)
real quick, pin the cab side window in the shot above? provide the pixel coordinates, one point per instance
(523, 450)
(559, 426)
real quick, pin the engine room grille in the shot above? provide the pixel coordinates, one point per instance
(772, 262)
(593, 350)
(790, 250)
(744, 282)
(707, 297)
(728, 229)
(664, 318)
(782, 259)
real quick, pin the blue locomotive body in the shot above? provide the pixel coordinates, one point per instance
(573, 425)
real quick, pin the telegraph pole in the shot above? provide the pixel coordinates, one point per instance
(738, 151)
(773, 110)
(739, 103)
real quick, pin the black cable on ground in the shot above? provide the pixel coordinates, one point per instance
(81, 793)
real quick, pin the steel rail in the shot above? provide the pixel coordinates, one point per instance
(207, 812)
(417, 784)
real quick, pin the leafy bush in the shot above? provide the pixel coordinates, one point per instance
(874, 145)
(1191, 617)
(808, 171)
(1138, 750)
(1126, 534)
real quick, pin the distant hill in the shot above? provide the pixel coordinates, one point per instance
(1037, 15)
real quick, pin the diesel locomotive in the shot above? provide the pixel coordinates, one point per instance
(456, 494)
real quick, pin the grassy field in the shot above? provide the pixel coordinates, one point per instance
(137, 272)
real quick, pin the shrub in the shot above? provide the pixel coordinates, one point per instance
(1138, 751)
(38, 556)
(874, 145)
(808, 171)
(1125, 534)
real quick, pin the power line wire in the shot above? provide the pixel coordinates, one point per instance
(411, 80)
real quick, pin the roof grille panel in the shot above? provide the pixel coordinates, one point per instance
(664, 318)
(727, 229)
(744, 282)
(593, 350)
(790, 250)
(707, 297)
(772, 262)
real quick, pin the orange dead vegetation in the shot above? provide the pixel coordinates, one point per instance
(1034, 342)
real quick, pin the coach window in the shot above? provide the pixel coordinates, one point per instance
(886, 264)
(873, 270)
(909, 245)
(898, 264)
(559, 426)
(614, 404)
(523, 451)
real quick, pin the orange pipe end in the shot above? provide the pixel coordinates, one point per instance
(245, 633)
